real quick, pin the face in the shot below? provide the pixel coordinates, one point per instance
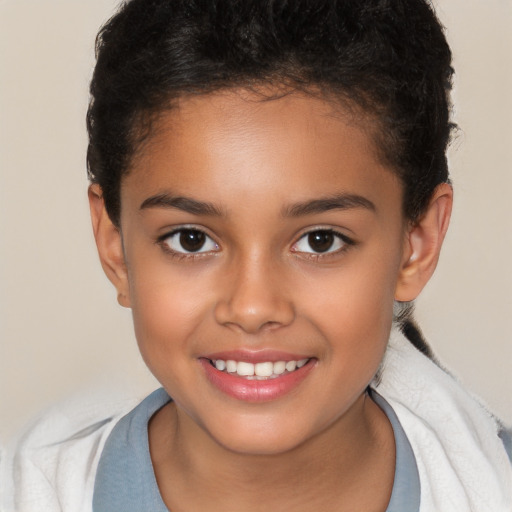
(263, 242)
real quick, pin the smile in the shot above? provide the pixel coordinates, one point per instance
(268, 377)
(258, 371)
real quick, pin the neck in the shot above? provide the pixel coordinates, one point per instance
(334, 469)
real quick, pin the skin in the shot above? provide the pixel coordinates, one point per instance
(258, 284)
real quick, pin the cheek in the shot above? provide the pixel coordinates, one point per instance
(353, 309)
(167, 309)
(357, 297)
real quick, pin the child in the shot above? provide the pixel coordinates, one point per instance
(269, 194)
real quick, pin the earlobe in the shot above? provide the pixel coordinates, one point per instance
(110, 245)
(423, 245)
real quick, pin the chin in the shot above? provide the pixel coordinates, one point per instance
(259, 436)
(262, 446)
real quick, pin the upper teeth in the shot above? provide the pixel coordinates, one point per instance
(266, 369)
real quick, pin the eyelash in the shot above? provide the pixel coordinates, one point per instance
(162, 241)
(346, 242)
(340, 237)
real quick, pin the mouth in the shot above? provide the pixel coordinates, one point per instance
(256, 378)
(258, 371)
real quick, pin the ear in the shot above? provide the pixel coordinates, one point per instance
(423, 245)
(110, 245)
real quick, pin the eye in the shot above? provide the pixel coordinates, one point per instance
(188, 240)
(321, 241)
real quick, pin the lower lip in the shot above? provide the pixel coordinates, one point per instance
(255, 390)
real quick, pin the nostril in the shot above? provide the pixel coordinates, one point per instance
(254, 317)
(252, 299)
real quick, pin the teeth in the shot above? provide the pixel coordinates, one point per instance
(279, 367)
(291, 365)
(231, 366)
(244, 369)
(258, 371)
(264, 369)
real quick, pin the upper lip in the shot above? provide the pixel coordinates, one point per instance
(256, 356)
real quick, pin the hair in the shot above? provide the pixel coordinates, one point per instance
(387, 58)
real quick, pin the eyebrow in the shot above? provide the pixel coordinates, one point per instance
(185, 204)
(195, 207)
(336, 202)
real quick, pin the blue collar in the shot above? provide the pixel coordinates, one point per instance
(125, 480)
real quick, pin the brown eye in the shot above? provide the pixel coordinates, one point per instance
(190, 241)
(321, 241)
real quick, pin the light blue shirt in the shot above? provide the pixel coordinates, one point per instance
(125, 480)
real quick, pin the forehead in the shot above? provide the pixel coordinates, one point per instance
(236, 142)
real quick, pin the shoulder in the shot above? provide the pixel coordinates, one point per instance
(55, 460)
(125, 479)
(461, 460)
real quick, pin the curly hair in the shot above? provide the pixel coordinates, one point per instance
(390, 58)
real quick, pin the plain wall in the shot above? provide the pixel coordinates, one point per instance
(61, 329)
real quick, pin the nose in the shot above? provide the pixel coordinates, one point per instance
(254, 297)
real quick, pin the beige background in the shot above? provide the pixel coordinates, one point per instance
(61, 330)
